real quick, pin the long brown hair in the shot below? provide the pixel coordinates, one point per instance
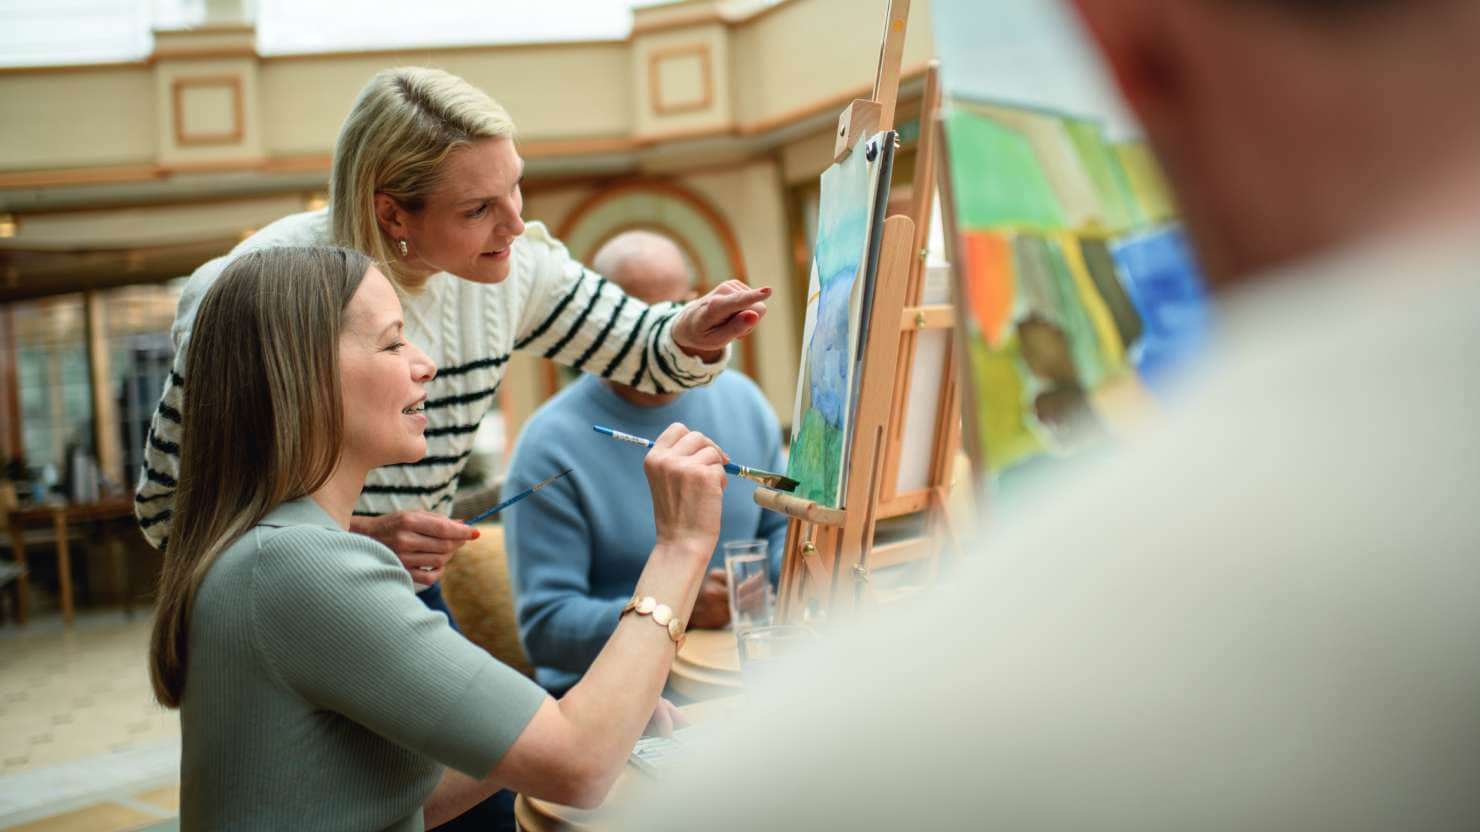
(262, 419)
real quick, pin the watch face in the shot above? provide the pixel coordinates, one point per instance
(647, 605)
(663, 614)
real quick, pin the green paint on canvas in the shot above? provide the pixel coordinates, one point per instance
(1084, 342)
(1005, 433)
(816, 452)
(1106, 277)
(1147, 182)
(1122, 209)
(996, 178)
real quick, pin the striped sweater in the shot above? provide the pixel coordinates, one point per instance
(550, 305)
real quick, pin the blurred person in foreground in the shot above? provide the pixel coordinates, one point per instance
(1265, 614)
(575, 553)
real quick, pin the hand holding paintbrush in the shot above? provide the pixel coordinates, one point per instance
(769, 479)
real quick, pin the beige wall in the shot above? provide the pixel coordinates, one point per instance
(767, 70)
(657, 71)
(553, 93)
(67, 119)
(586, 116)
(751, 198)
(809, 51)
(156, 225)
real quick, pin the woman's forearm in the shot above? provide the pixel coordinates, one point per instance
(625, 681)
(572, 750)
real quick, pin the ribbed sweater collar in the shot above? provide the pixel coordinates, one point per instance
(300, 512)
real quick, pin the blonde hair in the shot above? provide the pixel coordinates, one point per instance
(262, 426)
(401, 129)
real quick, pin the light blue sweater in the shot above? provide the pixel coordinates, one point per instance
(577, 547)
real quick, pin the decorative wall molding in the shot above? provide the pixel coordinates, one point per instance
(697, 54)
(181, 95)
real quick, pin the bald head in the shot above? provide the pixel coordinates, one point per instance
(648, 266)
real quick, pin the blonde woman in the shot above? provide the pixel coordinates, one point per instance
(426, 181)
(315, 691)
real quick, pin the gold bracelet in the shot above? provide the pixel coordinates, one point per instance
(662, 615)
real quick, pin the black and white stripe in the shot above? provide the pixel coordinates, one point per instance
(554, 315)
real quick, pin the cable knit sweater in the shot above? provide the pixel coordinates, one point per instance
(549, 305)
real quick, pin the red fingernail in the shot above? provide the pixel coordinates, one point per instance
(476, 534)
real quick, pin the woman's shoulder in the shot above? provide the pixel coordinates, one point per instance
(298, 540)
(536, 250)
(538, 237)
(305, 229)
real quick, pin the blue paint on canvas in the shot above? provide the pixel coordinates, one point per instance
(827, 358)
(1165, 284)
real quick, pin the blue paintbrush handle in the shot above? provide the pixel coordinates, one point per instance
(730, 467)
(484, 515)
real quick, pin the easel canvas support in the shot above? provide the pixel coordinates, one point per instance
(829, 551)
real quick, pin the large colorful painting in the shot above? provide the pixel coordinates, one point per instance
(850, 218)
(1079, 296)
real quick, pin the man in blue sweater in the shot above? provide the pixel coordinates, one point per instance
(576, 549)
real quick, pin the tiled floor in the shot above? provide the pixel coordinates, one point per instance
(83, 746)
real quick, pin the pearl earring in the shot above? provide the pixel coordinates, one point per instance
(404, 249)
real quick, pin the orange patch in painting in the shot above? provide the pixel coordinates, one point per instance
(989, 282)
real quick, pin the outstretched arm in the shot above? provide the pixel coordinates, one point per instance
(580, 319)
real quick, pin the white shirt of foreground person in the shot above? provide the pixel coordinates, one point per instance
(1264, 615)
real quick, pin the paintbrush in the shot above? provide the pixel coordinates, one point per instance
(780, 482)
(516, 498)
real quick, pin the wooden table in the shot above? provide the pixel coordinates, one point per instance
(707, 667)
(57, 516)
(535, 815)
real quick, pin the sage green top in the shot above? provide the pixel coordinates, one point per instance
(321, 694)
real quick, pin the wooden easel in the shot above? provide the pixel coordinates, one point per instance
(829, 552)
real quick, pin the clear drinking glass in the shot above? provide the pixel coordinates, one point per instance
(762, 648)
(747, 568)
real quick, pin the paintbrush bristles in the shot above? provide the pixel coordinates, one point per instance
(768, 479)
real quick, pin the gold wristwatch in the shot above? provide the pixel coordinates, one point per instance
(662, 615)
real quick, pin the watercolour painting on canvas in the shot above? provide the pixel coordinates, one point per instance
(1079, 298)
(850, 215)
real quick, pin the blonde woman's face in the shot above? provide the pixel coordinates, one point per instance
(470, 221)
(381, 376)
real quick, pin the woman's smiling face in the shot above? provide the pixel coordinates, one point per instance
(381, 379)
(470, 221)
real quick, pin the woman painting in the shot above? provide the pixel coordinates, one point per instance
(315, 691)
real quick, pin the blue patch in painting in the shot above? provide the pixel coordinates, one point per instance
(1165, 284)
(828, 360)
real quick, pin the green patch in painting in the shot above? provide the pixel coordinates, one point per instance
(1006, 435)
(1122, 209)
(817, 449)
(1012, 191)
